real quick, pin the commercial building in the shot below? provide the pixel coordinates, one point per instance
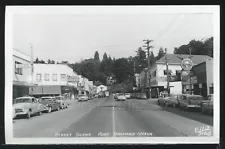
(22, 74)
(158, 73)
(201, 81)
(54, 79)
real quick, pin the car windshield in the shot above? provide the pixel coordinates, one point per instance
(121, 94)
(81, 95)
(195, 98)
(22, 100)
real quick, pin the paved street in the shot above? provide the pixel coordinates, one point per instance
(106, 117)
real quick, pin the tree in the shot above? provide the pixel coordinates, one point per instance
(197, 47)
(49, 61)
(52, 62)
(122, 70)
(96, 56)
(161, 53)
(105, 57)
(36, 61)
(152, 58)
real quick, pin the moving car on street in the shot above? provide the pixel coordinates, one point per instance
(50, 103)
(82, 97)
(187, 101)
(207, 107)
(127, 95)
(172, 100)
(121, 97)
(27, 106)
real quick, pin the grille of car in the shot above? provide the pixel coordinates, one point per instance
(18, 110)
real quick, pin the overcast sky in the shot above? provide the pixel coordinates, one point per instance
(73, 37)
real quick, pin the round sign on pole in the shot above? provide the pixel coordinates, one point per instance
(186, 64)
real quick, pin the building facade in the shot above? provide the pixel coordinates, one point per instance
(54, 79)
(22, 74)
(158, 72)
(201, 80)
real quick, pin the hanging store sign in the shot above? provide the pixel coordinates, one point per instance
(186, 64)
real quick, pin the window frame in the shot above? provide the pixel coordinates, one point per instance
(18, 71)
(38, 80)
(54, 78)
(46, 78)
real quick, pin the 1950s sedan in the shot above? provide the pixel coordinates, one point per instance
(50, 103)
(27, 106)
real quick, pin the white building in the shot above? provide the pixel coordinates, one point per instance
(53, 79)
(22, 74)
(101, 88)
(159, 75)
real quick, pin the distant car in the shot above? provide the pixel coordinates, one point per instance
(63, 103)
(50, 103)
(172, 100)
(27, 106)
(82, 97)
(187, 101)
(207, 107)
(121, 97)
(127, 95)
(116, 96)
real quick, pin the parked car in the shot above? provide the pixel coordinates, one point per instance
(27, 106)
(207, 107)
(187, 101)
(50, 103)
(82, 97)
(127, 95)
(162, 99)
(172, 100)
(63, 103)
(116, 96)
(121, 97)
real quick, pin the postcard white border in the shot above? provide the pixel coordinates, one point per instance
(106, 10)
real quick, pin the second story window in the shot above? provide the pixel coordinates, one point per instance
(54, 77)
(18, 68)
(46, 77)
(63, 77)
(38, 77)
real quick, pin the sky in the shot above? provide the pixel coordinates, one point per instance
(76, 36)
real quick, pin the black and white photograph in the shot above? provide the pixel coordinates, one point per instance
(112, 74)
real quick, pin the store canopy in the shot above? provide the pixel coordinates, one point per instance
(19, 83)
(50, 89)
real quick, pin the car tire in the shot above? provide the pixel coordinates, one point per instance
(28, 115)
(49, 109)
(174, 105)
(39, 113)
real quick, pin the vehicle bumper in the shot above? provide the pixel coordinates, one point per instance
(194, 106)
(20, 114)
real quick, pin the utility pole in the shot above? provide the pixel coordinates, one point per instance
(167, 72)
(147, 42)
(32, 67)
(190, 87)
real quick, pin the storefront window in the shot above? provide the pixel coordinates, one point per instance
(54, 77)
(46, 77)
(38, 78)
(18, 70)
(210, 90)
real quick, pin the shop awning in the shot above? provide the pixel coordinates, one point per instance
(20, 83)
(50, 89)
